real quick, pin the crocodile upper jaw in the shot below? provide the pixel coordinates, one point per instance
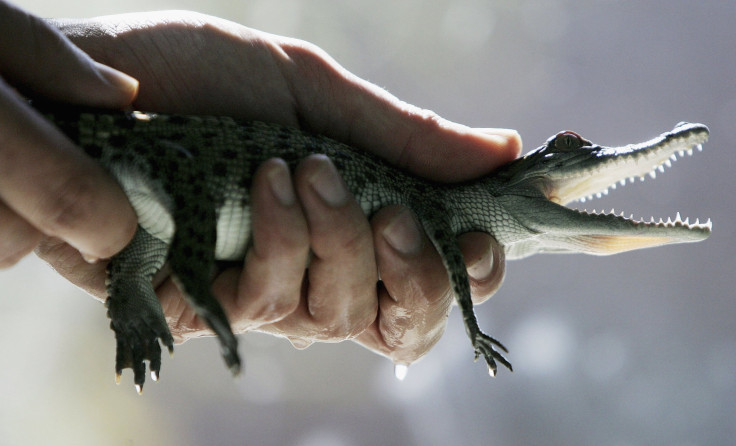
(563, 173)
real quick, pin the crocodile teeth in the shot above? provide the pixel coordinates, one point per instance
(647, 164)
(584, 199)
(669, 223)
(676, 222)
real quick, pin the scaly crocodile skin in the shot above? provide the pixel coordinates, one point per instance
(189, 178)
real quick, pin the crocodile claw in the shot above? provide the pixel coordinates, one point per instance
(137, 340)
(228, 342)
(484, 345)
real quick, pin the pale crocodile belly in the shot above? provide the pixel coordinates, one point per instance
(233, 230)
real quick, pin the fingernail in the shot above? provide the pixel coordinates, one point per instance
(501, 137)
(90, 258)
(508, 140)
(504, 133)
(118, 79)
(403, 233)
(481, 269)
(281, 186)
(328, 184)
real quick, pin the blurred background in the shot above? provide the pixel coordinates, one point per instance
(635, 349)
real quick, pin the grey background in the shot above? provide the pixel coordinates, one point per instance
(634, 349)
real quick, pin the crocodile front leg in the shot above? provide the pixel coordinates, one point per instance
(445, 241)
(134, 310)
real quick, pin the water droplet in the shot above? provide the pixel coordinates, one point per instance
(400, 371)
(300, 343)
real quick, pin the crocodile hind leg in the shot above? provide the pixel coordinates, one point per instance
(134, 310)
(444, 240)
(192, 260)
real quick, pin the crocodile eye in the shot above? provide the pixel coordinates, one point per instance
(567, 141)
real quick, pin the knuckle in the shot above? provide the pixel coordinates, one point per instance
(334, 332)
(269, 289)
(351, 330)
(307, 57)
(427, 122)
(361, 325)
(337, 324)
(423, 126)
(272, 309)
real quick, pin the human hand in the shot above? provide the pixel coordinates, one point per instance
(49, 188)
(194, 64)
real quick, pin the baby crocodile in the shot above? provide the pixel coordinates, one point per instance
(189, 179)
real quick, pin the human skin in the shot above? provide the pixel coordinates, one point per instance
(195, 64)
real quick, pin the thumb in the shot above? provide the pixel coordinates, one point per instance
(364, 115)
(39, 61)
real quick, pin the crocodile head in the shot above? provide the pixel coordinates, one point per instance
(535, 188)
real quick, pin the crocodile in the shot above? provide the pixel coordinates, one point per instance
(188, 179)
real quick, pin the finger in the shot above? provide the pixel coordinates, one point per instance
(269, 285)
(183, 321)
(170, 52)
(415, 298)
(341, 298)
(271, 280)
(18, 237)
(51, 184)
(359, 113)
(37, 58)
(67, 261)
(486, 263)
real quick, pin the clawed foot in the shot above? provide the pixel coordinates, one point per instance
(137, 341)
(484, 346)
(228, 342)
